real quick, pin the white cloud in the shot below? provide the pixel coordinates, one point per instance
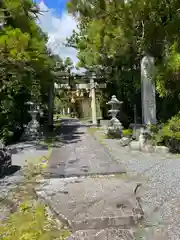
(58, 29)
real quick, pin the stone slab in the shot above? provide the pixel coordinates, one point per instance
(161, 149)
(80, 155)
(104, 234)
(134, 145)
(92, 204)
(124, 141)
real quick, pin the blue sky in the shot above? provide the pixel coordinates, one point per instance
(59, 25)
(58, 5)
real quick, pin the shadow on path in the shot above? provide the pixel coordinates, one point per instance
(10, 171)
(79, 153)
(67, 132)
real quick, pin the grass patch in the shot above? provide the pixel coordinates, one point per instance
(49, 141)
(127, 132)
(31, 222)
(93, 130)
(99, 135)
(30, 219)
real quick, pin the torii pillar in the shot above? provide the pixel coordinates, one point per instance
(93, 101)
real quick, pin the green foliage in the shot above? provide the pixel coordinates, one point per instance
(127, 132)
(174, 123)
(168, 71)
(169, 133)
(27, 68)
(113, 36)
(21, 45)
(31, 222)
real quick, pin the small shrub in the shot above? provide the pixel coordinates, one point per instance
(172, 128)
(127, 132)
(174, 123)
(169, 134)
(154, 128)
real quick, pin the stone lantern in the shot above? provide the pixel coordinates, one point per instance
(115, 126)
(33, 127)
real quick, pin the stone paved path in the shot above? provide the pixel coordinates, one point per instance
(94, 208)
(84, 188)
(80, 154)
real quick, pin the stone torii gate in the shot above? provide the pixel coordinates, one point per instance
(91, 86)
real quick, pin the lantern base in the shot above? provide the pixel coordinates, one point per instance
(115, 128)
(32, 131)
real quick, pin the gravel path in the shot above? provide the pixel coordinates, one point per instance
(161, 192)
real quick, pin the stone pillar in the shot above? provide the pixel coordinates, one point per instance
(148, 91)
(68, 111)
(93, 101)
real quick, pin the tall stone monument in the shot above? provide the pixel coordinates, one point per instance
(148, 96)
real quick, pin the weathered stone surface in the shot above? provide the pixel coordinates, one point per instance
(148, 148)
(93, 203)
(136, 129)
(134, 145)
(104, 123)
(148, 91)
(161, 149)
(108, 234)
(80, 155)
(139, 146)
(5, 160)
(149, 233)
(125, 141)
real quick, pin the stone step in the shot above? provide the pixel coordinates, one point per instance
(119, 234)
(93, 204)
(104, 234)
(124, 221)
(61, 172)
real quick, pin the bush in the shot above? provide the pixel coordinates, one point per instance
(172, 128)
(174, 123)
(169, 133)
(127, 132)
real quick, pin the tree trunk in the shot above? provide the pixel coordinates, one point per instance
(51, 105)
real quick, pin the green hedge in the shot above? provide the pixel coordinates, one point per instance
(169, 134)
